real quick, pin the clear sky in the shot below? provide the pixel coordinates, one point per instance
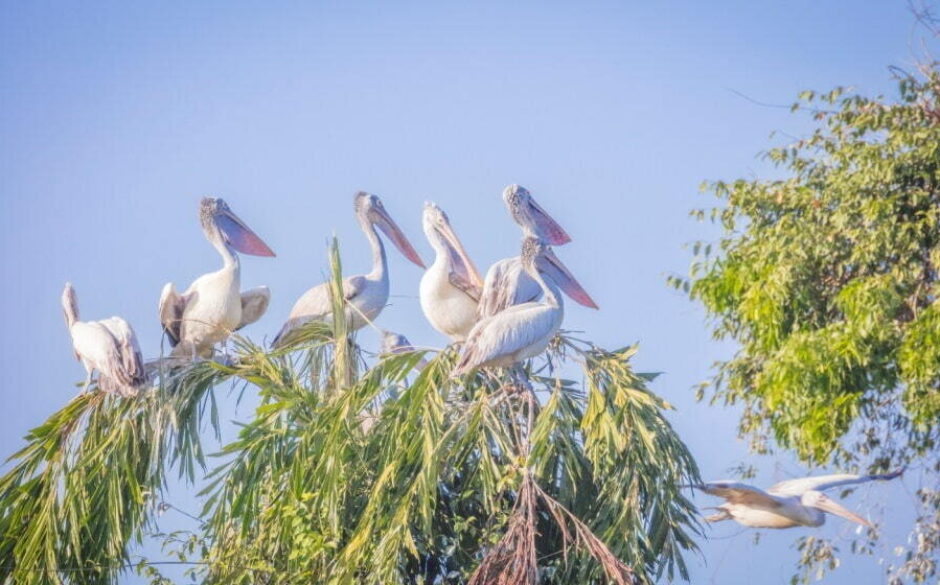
(115, 120)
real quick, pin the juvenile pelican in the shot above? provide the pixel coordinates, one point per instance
(366, 294)
(108, 346)
(394, 343)
(451, 287)
(523, 331)
(507, 283)
(213, 306)
(795, 502)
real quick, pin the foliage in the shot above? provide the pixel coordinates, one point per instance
(354, 474)
(826, 279)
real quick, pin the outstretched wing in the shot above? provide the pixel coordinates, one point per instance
(171, 307)
(796, 487)
(739, 493)
(255, 302)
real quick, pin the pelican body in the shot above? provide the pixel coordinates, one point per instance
(214, 305)
(507, 283)
(795, 502)
(367, 294)
(450, 289)
(108, 346)
(522, 331)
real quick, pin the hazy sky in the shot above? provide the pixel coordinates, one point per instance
(115, 120)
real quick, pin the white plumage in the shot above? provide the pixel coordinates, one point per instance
(451, 287)
(366, 295)
(108, 346)
(521, 331)
(213, 306)
(795, 502)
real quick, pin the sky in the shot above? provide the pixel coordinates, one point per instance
(116, 119)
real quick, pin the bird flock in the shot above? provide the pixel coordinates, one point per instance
(498, 321)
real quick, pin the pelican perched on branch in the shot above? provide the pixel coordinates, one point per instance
(396, 343)
(108, 346)
(366, 294)
(523, 331)
(795, 502)
(451, 287)
(214, 306)
(507, 283)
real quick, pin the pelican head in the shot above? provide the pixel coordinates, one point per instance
(219, 221)
(540, 255)
(69, 304)
(370, 210)
(437, 228)
(530, 216)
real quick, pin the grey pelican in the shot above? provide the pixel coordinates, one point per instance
(795, 502)
(395, 343)
(450, 289)
(108, 346)
(522, 331)
(213, 306)
(507, 283)
(366, 294)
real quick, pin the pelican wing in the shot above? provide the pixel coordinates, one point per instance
(501, 336)
(171, 307)
(796, 487)
(97, 345)
(254, 304)
(506, 284)
(740, 493)
(316, 305)
(129, 371)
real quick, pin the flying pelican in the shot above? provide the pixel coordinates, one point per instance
(523, 331)
(213, 306)
(451, 287)
(795, 502)
(366, 294)
(507, 283)
(108, 346)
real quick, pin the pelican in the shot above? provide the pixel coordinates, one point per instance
(108, 346)
(213, 306)
(795, 502)
(366, 294)
(395, 343)
(523, 331)
(450, 288)
(507, 283)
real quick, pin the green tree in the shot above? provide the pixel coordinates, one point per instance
(827, 280)
(356, 471)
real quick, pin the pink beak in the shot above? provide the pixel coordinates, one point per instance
(240, 236)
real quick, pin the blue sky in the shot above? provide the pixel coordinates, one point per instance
(115, 120)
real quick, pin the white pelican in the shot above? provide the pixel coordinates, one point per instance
(795, 502)
(394, 343)
(451, 287)
(506, 283)
(522, 331)
(366, 294)
(108, 346)
(213, 306)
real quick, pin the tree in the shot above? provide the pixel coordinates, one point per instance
(827, 280)
(351, 472)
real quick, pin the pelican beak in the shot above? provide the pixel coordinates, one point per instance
(461, 260)
(827, 504)
(550, 265)
(544, 226)
(239, 236)
(385, 222)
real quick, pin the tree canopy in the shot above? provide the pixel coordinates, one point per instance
(827, 280)
(362, 470)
